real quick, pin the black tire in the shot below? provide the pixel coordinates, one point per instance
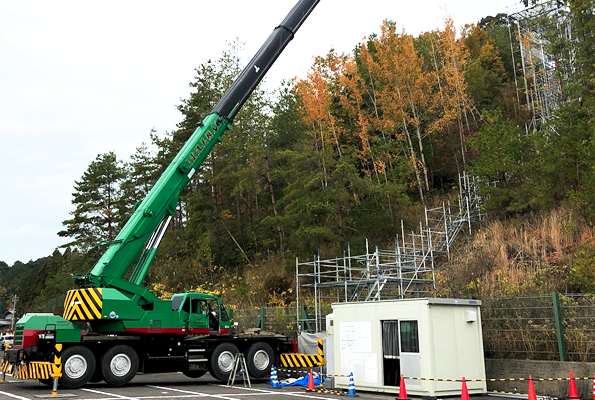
(47, 382)
(261, 357)
(194, 374)
(221, 363)
(78, 366)
(119, 365)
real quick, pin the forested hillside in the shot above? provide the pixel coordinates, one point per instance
(364, 141)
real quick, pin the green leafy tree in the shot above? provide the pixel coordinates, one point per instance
(503, 152)
(97, 215)
(582, 274)
(485, 69)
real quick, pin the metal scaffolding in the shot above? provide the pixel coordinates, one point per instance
(405, 271)
(533, 64)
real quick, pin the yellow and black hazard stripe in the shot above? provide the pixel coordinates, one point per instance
(321, 350)
(6, 367)
(57, 365)
(34, 370)
(83, 304)
(293, 360)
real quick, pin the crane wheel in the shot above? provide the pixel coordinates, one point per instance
(222, 359)
(78, 366)
(259, 360)
(119, 365)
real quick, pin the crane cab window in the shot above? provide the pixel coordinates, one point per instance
(195, 306)
(176, 301)
(186, 306)
(214, 306)
(204, 308)
(224, 315)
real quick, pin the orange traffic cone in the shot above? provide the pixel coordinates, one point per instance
(311, 387)
(403, 390)
(572, 393)
(532, 395)
(464, 391)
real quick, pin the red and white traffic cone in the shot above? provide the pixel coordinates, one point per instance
(572, 393)
(532, 395)
(403, 390)
(311, 387)
(464, 391)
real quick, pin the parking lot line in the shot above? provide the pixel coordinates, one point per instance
(14, 396)
(162, 397)
(117, 396)
(194, 393)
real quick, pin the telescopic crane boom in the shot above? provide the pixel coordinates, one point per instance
(139, 238)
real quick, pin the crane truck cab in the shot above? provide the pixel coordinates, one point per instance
(201, 313)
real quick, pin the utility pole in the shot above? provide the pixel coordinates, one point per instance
(14, 309)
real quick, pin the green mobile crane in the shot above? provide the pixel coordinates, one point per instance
(112, 326)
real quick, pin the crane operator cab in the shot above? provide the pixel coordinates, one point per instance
(201, 314)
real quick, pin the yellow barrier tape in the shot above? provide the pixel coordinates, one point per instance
(328, 391)
(502, 392)
(492, 379)
(308, 371)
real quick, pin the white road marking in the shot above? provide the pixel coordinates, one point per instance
(195, 393)
(14, 396)
(182, 396)
(110, 394)
(255, 394)
(293, 394)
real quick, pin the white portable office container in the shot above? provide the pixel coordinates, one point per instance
(420, 338)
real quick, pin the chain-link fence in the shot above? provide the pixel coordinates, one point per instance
(543, 327)
(521, 327)
(578, 315)
(273, 319)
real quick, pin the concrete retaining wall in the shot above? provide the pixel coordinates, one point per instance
(496, 369)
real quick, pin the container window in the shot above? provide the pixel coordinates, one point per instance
(390, 343)
(409, 337)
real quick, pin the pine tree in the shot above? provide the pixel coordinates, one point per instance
(97, 216)
(142, 173)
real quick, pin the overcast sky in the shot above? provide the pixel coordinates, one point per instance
(81, 78)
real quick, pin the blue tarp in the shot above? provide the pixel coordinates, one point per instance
(303, 381)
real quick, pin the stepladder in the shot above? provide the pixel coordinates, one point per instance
(239, 366)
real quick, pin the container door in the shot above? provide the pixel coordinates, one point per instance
(410, 357)
(390, 353)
